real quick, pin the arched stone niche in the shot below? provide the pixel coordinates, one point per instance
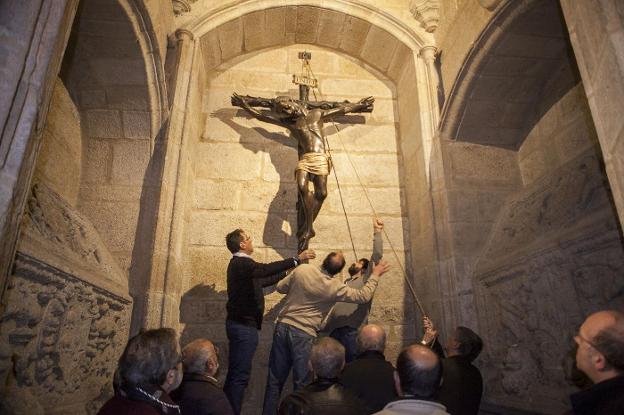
(234, 171)
(524, 206)
(115, 74)
(69, 304)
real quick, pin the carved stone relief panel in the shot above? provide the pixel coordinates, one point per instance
(68, 310)
(554, 208)
(530, 310)
(65, 335)
(56, 233)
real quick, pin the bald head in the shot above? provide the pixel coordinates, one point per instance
(600, 353)
(419, 371)
(334, 262)
(371, 338)
(327, 358)
(200, 357)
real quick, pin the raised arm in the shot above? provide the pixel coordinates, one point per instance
(248, 103)
(363, 295)
(364, 105)
(377, 247)
(430, 338)
(265, 274)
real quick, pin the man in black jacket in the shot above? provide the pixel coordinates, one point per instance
(600, 355)
(199, 393)
(462, 383)
(245, 308)
(324, 396)
(370, 376)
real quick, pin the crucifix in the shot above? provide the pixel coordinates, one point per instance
(304, 119)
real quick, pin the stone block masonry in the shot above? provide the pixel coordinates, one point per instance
(244, 177)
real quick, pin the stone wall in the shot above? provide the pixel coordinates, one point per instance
(564, 132)
(596, 31)
(554, 255)
(60, 159)
(68, 310)
(244, 178)
(518, 227)
(106, 75)
(461, 24)
(33, 39)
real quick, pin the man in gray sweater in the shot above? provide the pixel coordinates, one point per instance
(311, 292)
(345, 319)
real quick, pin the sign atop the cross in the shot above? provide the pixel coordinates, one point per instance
(306, 79)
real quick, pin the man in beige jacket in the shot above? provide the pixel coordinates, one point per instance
(310, 294)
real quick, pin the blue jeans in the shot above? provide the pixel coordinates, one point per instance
(346, 336)
(290, 349)
(243, 341)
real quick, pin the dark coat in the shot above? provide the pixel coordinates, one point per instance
(245, 279)
(371, 378)
(462, 384)
(604, 398)
(118, 405)
(131, 402)
(322, 397)
(201, 395)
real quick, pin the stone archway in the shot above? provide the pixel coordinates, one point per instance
(219, 45)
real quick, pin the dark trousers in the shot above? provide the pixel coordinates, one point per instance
(243, 341)
(290, 349)
(346, 336)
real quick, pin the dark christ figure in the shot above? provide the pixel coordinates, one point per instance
(304, 119)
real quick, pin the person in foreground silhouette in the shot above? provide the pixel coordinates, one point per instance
(600, 355)
(148, 370)
(325, 395)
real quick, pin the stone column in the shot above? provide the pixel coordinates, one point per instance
(428, 54)
(428, 98)
(33, 35)
(163, 291)
(596, 32)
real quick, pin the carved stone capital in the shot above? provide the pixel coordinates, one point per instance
(428, 53)
(427, 12)
(183, 34)
(490, 4)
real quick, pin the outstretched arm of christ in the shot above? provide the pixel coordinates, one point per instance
(341, 108)
(248, 103)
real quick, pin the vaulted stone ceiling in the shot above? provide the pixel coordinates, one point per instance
(281, 26)
(523, 62)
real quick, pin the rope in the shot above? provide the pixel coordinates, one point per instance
(405, 276)
(357, 175)
(344, 209)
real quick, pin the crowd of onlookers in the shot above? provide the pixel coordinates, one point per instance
(336, 358)
(153, 377)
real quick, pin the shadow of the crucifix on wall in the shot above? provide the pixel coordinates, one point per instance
(281, 212)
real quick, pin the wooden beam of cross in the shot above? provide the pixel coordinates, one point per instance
(306, 80)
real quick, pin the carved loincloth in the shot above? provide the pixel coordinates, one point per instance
(314, 163)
